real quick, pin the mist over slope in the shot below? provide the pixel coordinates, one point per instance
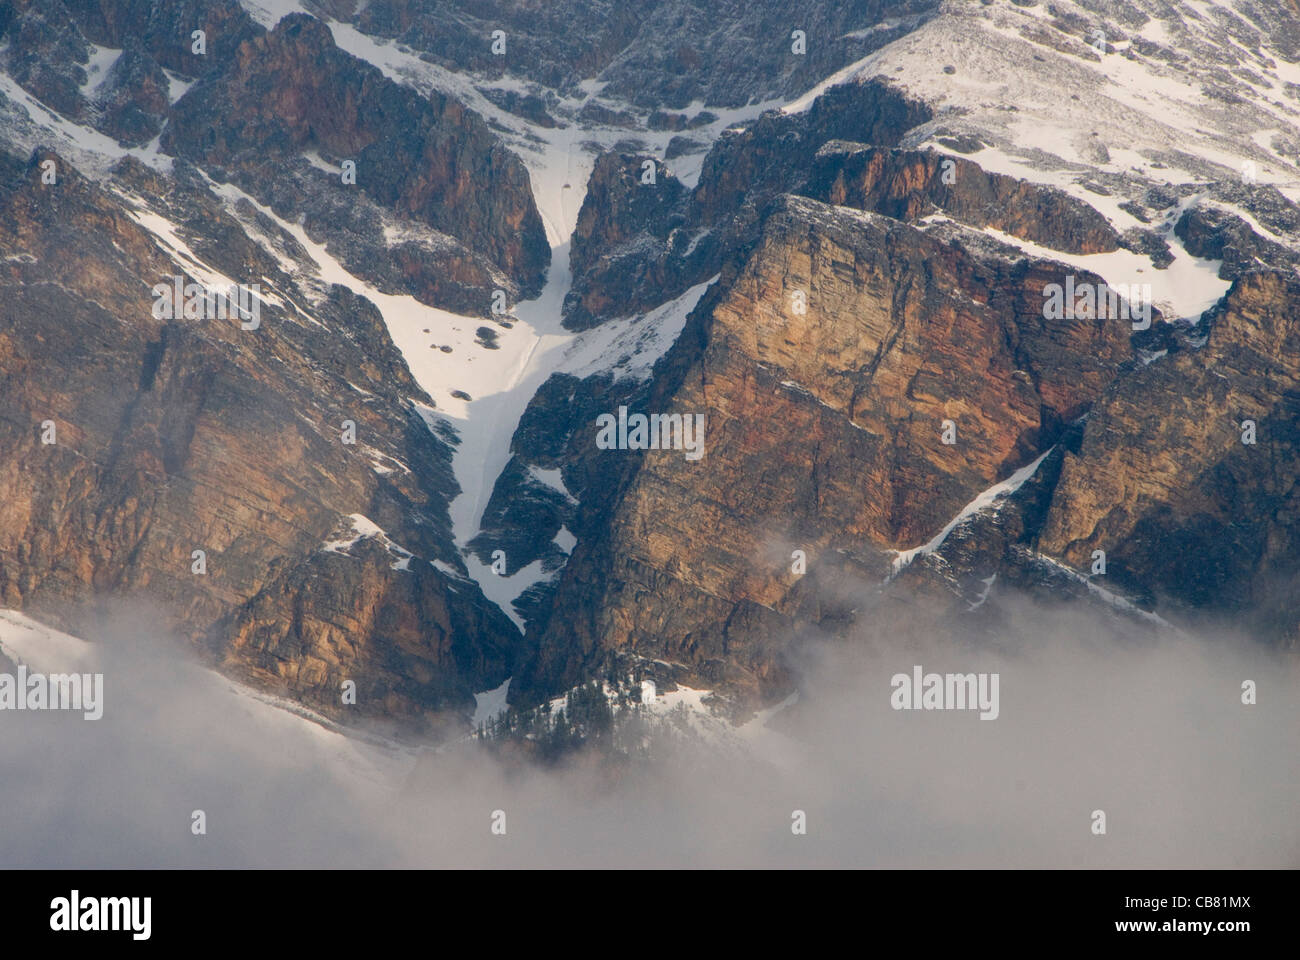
(1094, 715)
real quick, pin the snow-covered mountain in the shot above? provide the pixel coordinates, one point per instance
(967, 333)
(458, 252)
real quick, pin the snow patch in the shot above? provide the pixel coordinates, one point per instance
(988, 498)
(24, 640)
(101, 62)
(552, 479)
(363, 528)
(565, 540)
(1185, 289)
(631, 347)
(491, 703)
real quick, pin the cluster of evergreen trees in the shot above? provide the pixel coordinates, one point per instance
(608, 716)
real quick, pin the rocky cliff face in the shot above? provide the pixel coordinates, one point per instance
(134, 96)
(910, 186)
(165, 30)
(638, 244)
(426, 160)
(171, 436)
(852, 291)
(49, 47)
(828, 368)
(1185, 476)
(46, 53)
(435, 206)
(662, 53)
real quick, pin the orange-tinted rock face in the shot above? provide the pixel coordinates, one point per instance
(184, 435)
(908, 185)
(1167, 483)
(826, 368)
